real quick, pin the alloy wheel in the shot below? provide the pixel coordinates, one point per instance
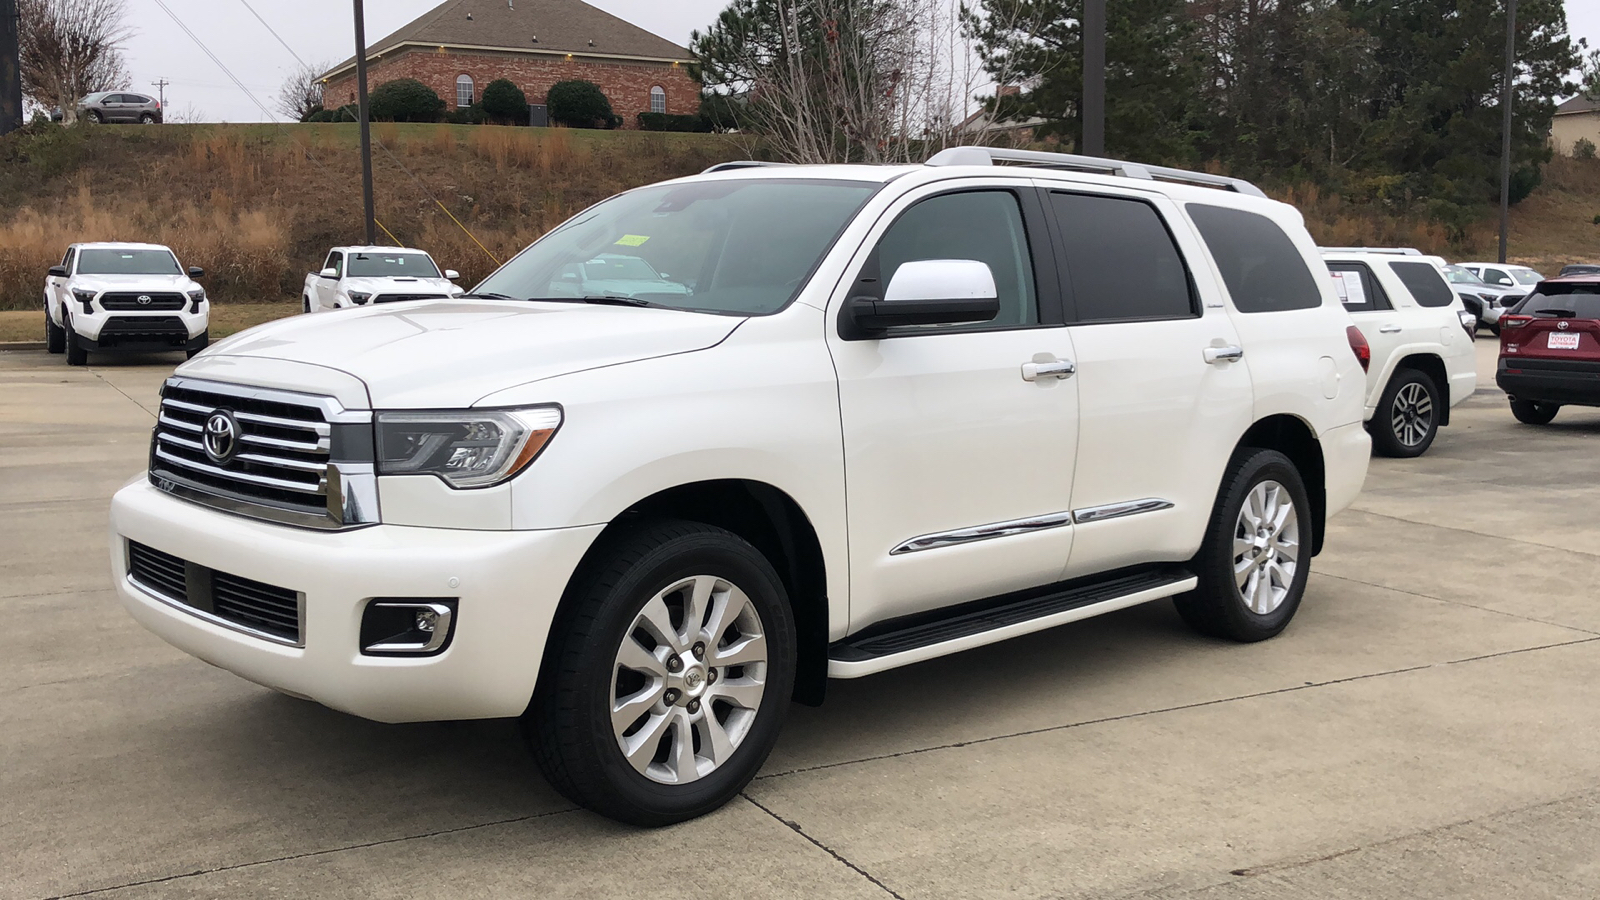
(1412, 414)
(688, 680)
(1266, 547)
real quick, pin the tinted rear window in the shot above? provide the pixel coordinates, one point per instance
(1425, 283)
(1582, 299)
(1262, 268)
(1120, 260)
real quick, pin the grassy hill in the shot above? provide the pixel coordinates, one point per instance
(258, 205)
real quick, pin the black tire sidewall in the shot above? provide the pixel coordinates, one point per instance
(77, 354)
(1384, 440)
(1534, 412)
(1242, 623)
(615, 788)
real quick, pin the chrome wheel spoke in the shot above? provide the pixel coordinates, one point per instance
(745, 692)
(727, 609)
(1266, 547)
(633, 655)
(696, 602)
(715, 743)
(656, 620)
(626, 710)
(680, 759)
(744, 651)
(640, 747)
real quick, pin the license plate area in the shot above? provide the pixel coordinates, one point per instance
(1559, 341)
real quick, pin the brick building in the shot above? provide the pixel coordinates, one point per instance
(462, 45)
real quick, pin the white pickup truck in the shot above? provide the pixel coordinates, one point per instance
(357, 276)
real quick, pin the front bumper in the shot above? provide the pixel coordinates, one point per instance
(508, 585)
(102, 329)
(1574, 382)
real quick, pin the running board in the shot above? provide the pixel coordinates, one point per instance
(967, 628)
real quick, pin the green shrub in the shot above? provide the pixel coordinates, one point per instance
(467, 115)
(580, 104)
(321, 115)
(1583, 148)
(503, 101)
(312, 113)
(669, 122)
(404, 100)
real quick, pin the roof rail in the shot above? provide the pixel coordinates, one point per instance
(1392, 251)
(988, 156)
(741, 164)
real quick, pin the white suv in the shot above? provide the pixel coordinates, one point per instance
(1421, 343)
(883, 415)
(123, 297)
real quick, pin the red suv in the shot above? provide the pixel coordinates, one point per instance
(1550, 349)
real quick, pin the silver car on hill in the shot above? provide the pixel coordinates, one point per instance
(120, 106)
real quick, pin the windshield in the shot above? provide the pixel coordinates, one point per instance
(128, 262)
(1526, 276)
(1458, 275)
(389, 265)
(743, 247)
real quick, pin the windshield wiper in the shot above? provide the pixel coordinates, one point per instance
(603, 300)
(488, 295)
(1557, 313)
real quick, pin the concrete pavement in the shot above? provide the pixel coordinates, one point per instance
(1426, 728)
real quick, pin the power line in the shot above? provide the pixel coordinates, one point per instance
(274, 33)
(207, 51)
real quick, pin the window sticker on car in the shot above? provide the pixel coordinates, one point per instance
(1349, 288)
(1563, 341)
(632, 240)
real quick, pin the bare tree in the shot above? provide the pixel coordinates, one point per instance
(69, 49)
(301, 94)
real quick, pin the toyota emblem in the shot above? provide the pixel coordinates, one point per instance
(144, 299)
(1562, 325)
(221, 436)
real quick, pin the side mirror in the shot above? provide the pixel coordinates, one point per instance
(329, 272)
(451, 274)
(57, 271)
(929, 292)
(196, 273)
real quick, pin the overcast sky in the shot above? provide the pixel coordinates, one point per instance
(323, 31)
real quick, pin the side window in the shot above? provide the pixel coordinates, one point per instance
(336, 263)
(982, 225)
(72, 255)
(1425, 283)
(1493, 276)
(1262, 268)
(464, 91)
(1120, 260)
(658, 99)
(1358, 288)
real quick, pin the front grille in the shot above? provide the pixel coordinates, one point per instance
(397, 298)
(143, 329)
(261, 609)
(282, 454)
(129, 300)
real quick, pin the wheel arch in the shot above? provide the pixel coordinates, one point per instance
(1293, 437)
(775, 524)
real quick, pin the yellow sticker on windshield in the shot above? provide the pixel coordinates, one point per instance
(632, 240)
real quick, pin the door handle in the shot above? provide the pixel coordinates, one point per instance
(1389, 329)
(1216, 355)
(1044, 371)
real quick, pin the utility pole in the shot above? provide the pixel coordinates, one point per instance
(366, 125)
(10, 67)
(1505, 125)
(1094, 78)
(161, 90)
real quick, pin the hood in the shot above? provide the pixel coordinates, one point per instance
(399, 285)
(98, 283)
(441, 354)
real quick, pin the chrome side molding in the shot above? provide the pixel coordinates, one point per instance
(983, 532)
(1118, 510)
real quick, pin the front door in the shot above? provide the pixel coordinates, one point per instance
(958, 453)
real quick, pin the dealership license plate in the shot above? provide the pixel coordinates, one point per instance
(1563, 341)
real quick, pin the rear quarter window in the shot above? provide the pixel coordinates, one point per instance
(1262, 268)
(1425, 283)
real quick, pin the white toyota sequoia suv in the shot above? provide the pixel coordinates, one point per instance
(856, 417)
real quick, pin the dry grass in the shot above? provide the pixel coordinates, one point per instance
(1556, 224)
(226, 319)
(258, 206)
(1336, 222)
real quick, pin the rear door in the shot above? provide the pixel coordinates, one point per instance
(1374, 313)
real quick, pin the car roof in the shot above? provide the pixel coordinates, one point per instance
(1573, 279)
(1505, 265)
(122, 245)
(372, 248)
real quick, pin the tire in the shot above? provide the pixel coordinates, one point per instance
(1261, 607)
(205, 341)
(1533, 412)
(94, 117)
(1407, 419)
(55, 337)
(569, 725)
(305, 305)
(77, 354)
(147, 119)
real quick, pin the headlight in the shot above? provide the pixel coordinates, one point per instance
(196, 297)
(86, 298)
(471, 448)
(360, 297)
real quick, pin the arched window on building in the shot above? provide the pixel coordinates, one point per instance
(463, 91)
(658, 100)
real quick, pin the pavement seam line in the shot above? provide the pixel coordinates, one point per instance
(1492, 537)
(307, 855)
(123, 393)
(795, 827)
(1384, 587)
(1169, 709)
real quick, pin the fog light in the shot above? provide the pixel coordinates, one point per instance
(409, 627)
